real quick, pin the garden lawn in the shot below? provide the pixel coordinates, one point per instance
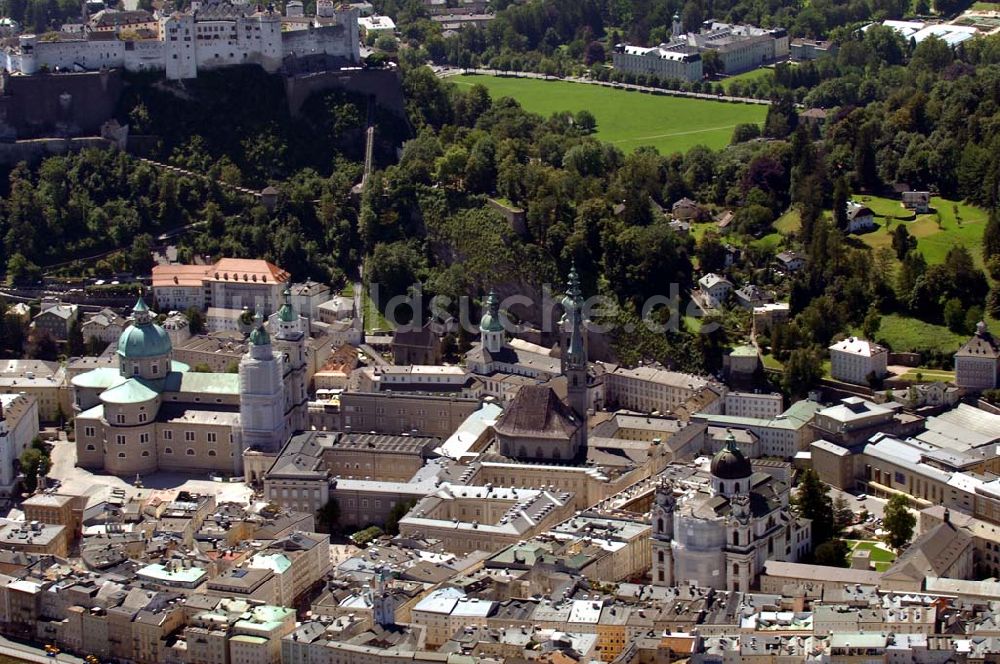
(771, 362)
(789, 223)
(929, 375)
(374, 320)
(882, 558)
(904, 333)
(960, 223)
(746, 76)
(627, 118)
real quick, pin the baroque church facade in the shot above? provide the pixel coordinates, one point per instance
(537, 425)
(152, 413)
(719, 535)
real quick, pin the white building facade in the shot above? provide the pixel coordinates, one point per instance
(854, 360)
(218, 36)
(662, 61)
(18, 427)
(720, 536)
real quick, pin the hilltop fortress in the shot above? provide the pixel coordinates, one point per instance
(206, 37)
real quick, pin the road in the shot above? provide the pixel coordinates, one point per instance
(448, 72)
(875, 506)
(27, 653)
(80, 481)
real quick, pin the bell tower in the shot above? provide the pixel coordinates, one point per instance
(662, 538)
(290, 344)
(262, 392)
(574, 352)
(490, 326)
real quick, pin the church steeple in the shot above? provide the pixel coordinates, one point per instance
(262, 392)
(291, 334)
(576, 354)
(574, 350)
(286, 313)
(259, 335)
(140, 313)
(490, 326)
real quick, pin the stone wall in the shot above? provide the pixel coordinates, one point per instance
(384, 84)
(58, 104)
(37, 149)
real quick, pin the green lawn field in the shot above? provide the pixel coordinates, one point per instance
(905, 333)
(881, 558)
(919, 375)
(626, 118)
(949, 223)
(747, 76)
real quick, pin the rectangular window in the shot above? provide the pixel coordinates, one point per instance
(143, 437)
(168, 434)
(88, 432)
(189, 435)
(120, 418)
(120, 439)
(211, 437)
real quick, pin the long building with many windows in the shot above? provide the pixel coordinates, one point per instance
(217, 34)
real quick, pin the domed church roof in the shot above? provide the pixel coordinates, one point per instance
(729, 463)
(259, 335)
(143, 338)
(490, 322)
(286, 313)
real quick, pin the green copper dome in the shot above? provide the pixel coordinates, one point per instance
(259, 335)
(490, 322)
(143, 338)
(286, 313)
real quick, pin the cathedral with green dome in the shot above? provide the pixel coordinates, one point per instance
(153, 413)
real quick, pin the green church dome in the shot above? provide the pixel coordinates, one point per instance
(259, 335)
(143, 338)
(490, 322)
(286, 313)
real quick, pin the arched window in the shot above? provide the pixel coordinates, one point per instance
(91, 448)
(736, 571)
(659, 525)
(539, 453)
(211, 453)
(189, 452)
(145, 453)
(168, 450)
(736, 538)
(659, 557)
(736, 487)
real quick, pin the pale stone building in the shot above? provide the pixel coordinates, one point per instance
(18, 428)
(855, 360)
(977, 363)
(720, 536)
(151, 413)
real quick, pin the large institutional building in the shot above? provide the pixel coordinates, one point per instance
(719, 536)
(152, 413)
(740, 48)
(229, 283)
(215, 35)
